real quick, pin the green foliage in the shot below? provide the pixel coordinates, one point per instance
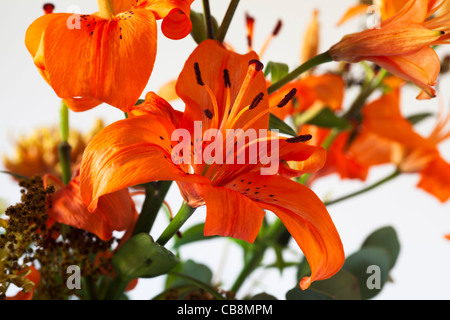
(363, 274)
(141, 257)
(198, 31)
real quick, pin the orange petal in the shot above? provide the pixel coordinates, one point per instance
(129, 152)
(156, 105)
(175, 14)
(383, 117)
(196, 97)
(435, 179)
(353, 11)
(115, 211)
(230, 214)
(421, 68)
(103, 60)
(305, 217)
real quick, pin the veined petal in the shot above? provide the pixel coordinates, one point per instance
(421, 68)
(230, 214)
(435, 179)
(129, 152)
(85, 56)
(115, 211)
(305, 217)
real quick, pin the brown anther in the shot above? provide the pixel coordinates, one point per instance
(198, 74)
(287, 98)
(301, 138)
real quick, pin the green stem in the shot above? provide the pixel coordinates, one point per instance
(314, 62)
(220, 36)
(365, 93)
(257, 254)
(64, 148)
(208, 19)
(116, 288)
(177, 222)
(152, 203)
(367, 189)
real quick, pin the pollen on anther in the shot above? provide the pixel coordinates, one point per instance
(287, 98)
(301, 138)
(198, 74)
(48, 8)
(226, 78)
(258, 64)
(208, 114)
(256, 101)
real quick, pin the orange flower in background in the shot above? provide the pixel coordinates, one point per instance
(402, 45)
(387, 137)
(223, 92)
(115, 211)
(340, 159)
(107, 56)
(314, 91)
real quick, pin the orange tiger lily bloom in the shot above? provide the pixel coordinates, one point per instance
(402, 44)
(115, 211)
(387, 137)
(107, 56)
(222, 93)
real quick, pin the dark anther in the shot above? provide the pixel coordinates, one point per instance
(301, 138)
(258, 64)
(48, 8)
(277, 28)
(256, 101)
(287, 98)
(226, 78)
(198, 75)
(208, 114)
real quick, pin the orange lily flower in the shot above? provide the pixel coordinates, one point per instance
(387, 137)
(115, 212)
(107, 56)
(402, 45)
(226, 92)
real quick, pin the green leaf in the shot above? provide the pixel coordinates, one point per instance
(276, 123)
(342, 286)
(193, 234)
(387, 239)
(326, 118)
(415, 119)
(141, 257)
(198, 31)
(277, 70)
(192, 269)
(360, 264)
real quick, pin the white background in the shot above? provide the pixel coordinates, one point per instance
(422, 271)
